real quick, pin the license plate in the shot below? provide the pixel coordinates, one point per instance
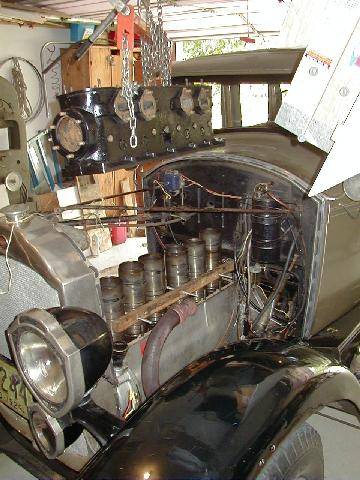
(13, 392)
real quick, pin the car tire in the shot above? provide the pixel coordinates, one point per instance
(298, 457)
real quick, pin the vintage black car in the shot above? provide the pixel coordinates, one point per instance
(211, 371)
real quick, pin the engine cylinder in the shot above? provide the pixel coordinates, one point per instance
(176, 266)
(112, 297)
(266, 231)
(174, 248)
(196, 259)
(131, 275)
(212, 239)
(154, 274)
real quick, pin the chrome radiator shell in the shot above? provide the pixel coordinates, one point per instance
(48, 270)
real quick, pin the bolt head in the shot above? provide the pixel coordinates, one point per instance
(302, 138)
(153, 132)
(344, 91)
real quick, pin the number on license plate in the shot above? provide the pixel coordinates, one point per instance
(13, 392)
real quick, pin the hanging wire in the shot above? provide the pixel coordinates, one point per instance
(212, 192)
(7, 262)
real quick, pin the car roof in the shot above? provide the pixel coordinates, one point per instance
(276, 65)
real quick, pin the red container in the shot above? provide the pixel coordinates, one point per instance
(118, 234)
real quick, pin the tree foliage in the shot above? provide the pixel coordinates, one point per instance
(200, 48)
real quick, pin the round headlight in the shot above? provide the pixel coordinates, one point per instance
(60, 353)
(43, 367)
(51, 435)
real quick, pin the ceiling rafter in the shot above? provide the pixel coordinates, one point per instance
(183, 19)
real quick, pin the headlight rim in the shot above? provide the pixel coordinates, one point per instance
(57, 431)
(54, 352)
(45, 325)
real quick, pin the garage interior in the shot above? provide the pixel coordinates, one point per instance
(179, 239)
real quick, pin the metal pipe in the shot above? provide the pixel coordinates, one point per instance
(86, 205)
(119, 221)
(180, 209)
(261, 322)
(84, 47)
(151, 359)
(120, 7)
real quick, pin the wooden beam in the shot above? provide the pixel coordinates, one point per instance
(32, 8)
(169, 298)
(31, 24)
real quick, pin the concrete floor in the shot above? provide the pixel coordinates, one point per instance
(341, 448)
(341, 444)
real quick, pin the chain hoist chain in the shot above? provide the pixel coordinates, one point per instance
(152, 46)
(156, 51)
(145, 62)
(159, 39)
(166, 61)
(144, 48)
(128, 91)
(155, 57)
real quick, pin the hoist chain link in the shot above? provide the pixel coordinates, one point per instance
(155, 58)
(156, 51)
(128, 90)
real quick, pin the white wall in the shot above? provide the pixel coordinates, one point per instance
(26, 42)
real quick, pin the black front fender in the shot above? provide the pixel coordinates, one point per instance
(223, 416)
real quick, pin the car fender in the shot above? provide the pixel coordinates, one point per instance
(223, 416)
